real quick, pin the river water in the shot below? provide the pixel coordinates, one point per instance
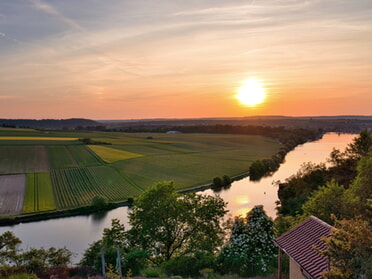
(77, 232)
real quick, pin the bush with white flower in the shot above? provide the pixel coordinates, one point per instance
(250, 249)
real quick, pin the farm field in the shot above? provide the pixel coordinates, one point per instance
(77, 186)
(39, 194)
(111, 155)
(63, 173)
(83, 156)
(12, 188)
(193, 160)
(23, 159)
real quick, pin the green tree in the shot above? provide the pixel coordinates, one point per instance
(217, 182)
(134, 261)
(170, 224)
(112, 238)
(99, 202)
(37, 260)
(250, 249)
(361, 145)
(58, 257)
(361, 187)
(226, 180)
(257, 170)
(349, 250)
(8, 248)
(327, 201)
(297, 188)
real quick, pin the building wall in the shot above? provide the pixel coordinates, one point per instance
(295, 270)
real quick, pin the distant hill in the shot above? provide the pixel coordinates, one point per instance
(341, 123)
(58, 124)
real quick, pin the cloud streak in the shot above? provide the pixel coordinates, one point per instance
(48, 9)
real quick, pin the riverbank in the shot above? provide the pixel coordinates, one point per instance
(46, 215)
(87, 210)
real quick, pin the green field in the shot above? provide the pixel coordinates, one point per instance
(64, 173)
(83, 156)
(77, 186)
(192, 160)
(39, 194)
(111, 155)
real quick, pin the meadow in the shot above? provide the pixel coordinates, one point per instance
(63, 173)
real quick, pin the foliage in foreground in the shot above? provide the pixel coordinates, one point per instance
(169, 224)
(42, 263)
(349, 250)
(166, 227)
(250, 249)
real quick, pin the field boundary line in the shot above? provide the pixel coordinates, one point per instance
(128, 180)
(72, 158)
(96, 156)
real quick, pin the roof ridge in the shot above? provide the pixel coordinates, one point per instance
(321, 222)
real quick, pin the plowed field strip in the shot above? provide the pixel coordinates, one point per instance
(12, 190)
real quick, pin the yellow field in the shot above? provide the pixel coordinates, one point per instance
(111, 155)
(35, 138)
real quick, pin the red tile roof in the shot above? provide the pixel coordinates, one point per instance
(299, 242)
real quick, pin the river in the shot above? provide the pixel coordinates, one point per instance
(77, 232)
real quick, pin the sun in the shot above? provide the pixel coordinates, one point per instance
(251, 93)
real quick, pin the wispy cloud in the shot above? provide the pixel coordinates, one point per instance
(42, 6)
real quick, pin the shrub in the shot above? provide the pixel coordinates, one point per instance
(23, 276)
(189, 265)
(217, 182)
(226, 180)
(152, 272)
(99, 202)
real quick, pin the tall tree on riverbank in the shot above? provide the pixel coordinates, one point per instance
(165, 225)
(170, 224)
(8, 248)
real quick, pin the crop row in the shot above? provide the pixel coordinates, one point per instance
(39, 194)
(76, 187)
(70, 156)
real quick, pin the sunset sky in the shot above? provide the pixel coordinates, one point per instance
(134, 59)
